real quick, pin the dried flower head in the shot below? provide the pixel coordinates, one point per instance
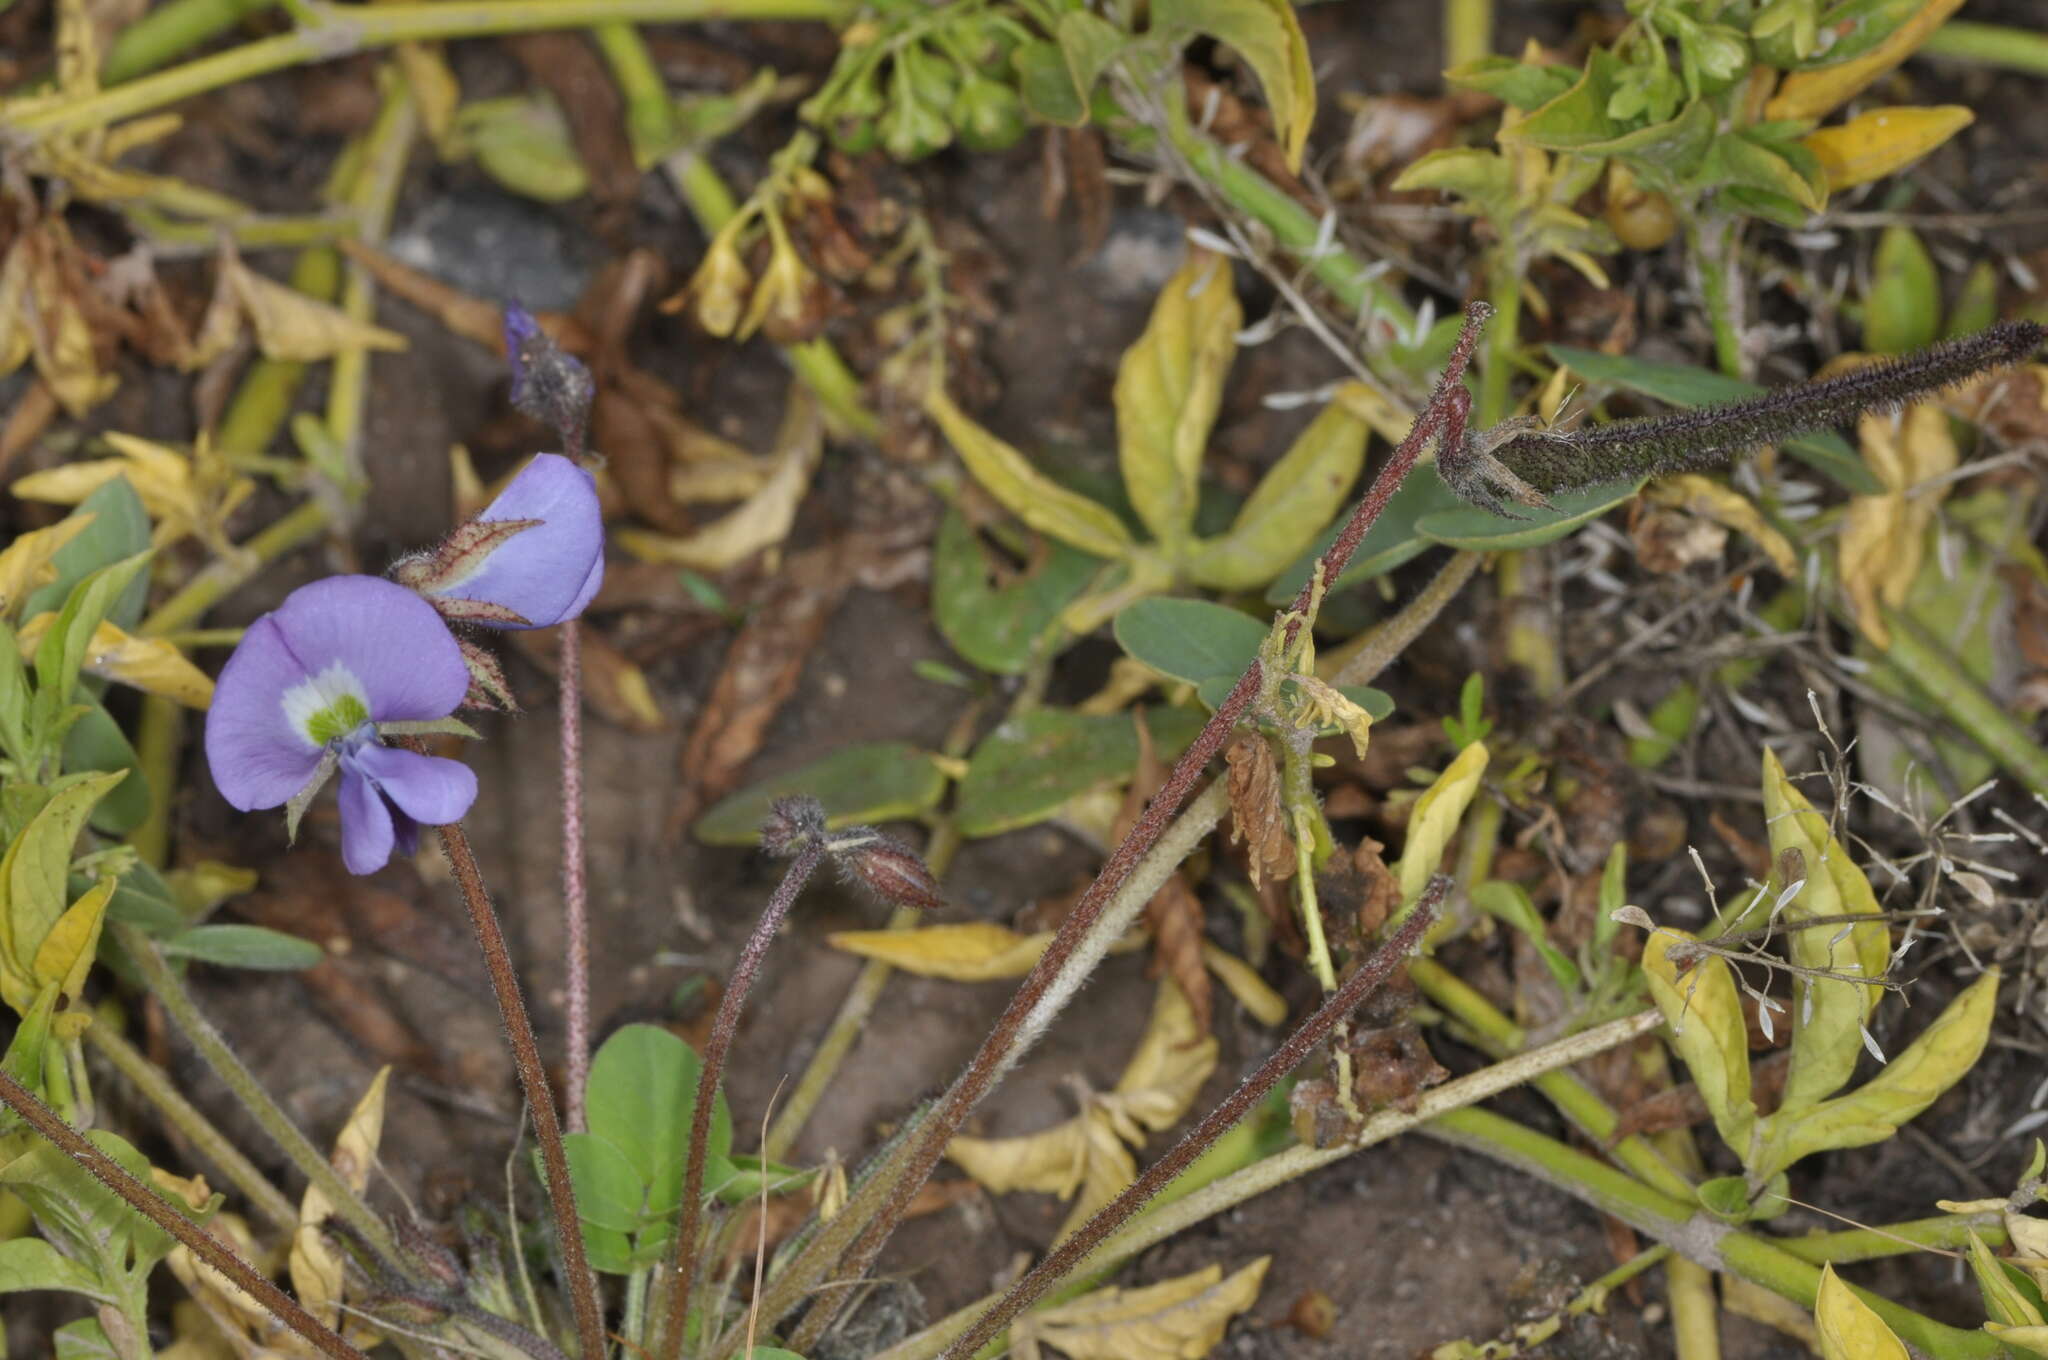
(547, 382)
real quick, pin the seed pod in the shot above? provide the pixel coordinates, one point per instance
(1641, 219)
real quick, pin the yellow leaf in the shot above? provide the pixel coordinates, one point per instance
(1874, 144)
(1827, 1013)
(1166, 1073)
(1267, 1006)
(964, 951)
(1849, 1328)
(1027, 493)
(66, 953)
(1291, 503)
(17, 340)
(290, 325)
(1267, 35)
(1723, 504)
(184, 494)
(1700, 1005)
(149, 664)
(59, 334)
(1177, 1319)
(1082, 1159)
(2032, 1340)
(244, 1327)
(1884, 537)
(1817, 93)
(1435, 819)
(434, 88)
(25, 565)
(764, 519)
(2003, 1298)
(1169, 385)
(315, 1266)
(1906, 1085)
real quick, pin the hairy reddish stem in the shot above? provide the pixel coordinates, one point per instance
(1444, 416)
(1253, 1089)
(575, 892)
(153, 1207)
(723, 1027)
(533, 1082)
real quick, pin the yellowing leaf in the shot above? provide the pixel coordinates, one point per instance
(1178, 1319)
(1817, 93)
(1700, 1005)
(1026, 492)
(316, 1268)
(67, 952)
(290, 325)
(2029, 1238)
(1874, 144)
(965, 951)
(149, 664)
(1267, 1006)
(2032, 1340)
(59, 335)
(1723, 504)
(1827, 1013)
(1884, 537)
(2004, 1300)
(1908, 1084)
(184, 494)
(1849, 1328)
(763, 520)
(1268, 36)
(33, 877)
(1435, 819)
(1168, 388)
(1291, 504)
(1166, 1073)
(25, 565)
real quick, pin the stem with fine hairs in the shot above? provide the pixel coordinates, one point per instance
(533, 1082)
(723, 1026)
(159, 1211)
(575, 889)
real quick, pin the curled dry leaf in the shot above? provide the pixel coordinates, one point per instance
(1723, 505)
(1884, 537)
(316, 1268)
(764, 519)
(184, 493)
(25, 563)
(287, 324)
(1178, 1319)
(1256, 814)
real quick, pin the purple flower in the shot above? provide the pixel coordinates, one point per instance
(533, 558)
(305, 694)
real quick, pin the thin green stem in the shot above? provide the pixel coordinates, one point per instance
(159, 1211)
(157, 735)
(206, 589)
(1947, 1232)
(360, 28)
(1936, 671)
(168, 986)
(2001, 45)
(1715, 259)
(650, 113)
(1468, 31)
(158, 1089)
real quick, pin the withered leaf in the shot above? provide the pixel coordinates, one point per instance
(1178, 1319)
(1257, 815)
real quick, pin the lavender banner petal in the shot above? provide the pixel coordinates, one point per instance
(390, 639)
(548, 573)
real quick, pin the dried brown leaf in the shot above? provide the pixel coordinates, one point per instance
(1257, 814)
(1174, 916)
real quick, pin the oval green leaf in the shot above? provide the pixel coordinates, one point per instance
(233, 946)
(1026, 770)
(874, 781)
(1001, 628)
(1191, 640)
(1391, 541)
(1483, 531)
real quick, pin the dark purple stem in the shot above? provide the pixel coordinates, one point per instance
(723, 1026)
(1200, 1138)
(153, 1207)
(1445, 415)
(575, 897)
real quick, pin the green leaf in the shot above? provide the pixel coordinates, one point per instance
(1903, 307)
(1025, 491)
(1390, 542)
(752, 1175)
(1268, 36)
(119, 530)
(1741, 159)
(85, 1339)
(1001, 629)
(1482, 530)
(1518, 84)
(1483, 179)
(31, 1263)
(61, 654)
(96, 742)
(1698, 999)
(1663, 153)
(523, 142)
(88, 1222)
(1190, 640)
(34, 876)
(1976, 305)
(1685, 385)
(1576, 117)
(2010, 1298)
(235, 946)
(875, 781)
(1027, 769)
(639, 1097)
(143, 899)
(1088, 44)
(610, 1192)
(1046, 83)
(1169, 385)
(1510, 903)
(1300, 492)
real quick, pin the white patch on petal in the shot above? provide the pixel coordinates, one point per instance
(322, 702)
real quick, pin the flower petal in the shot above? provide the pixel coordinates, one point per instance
(258, 758)
(429, 789)
(547, 573)
(385, 636)
(366, 831)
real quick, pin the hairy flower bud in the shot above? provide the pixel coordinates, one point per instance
(792, 824)
(889, 869)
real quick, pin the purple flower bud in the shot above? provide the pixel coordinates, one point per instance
(533, 558)
(302, 697)
(547, 383)
(888, 869)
